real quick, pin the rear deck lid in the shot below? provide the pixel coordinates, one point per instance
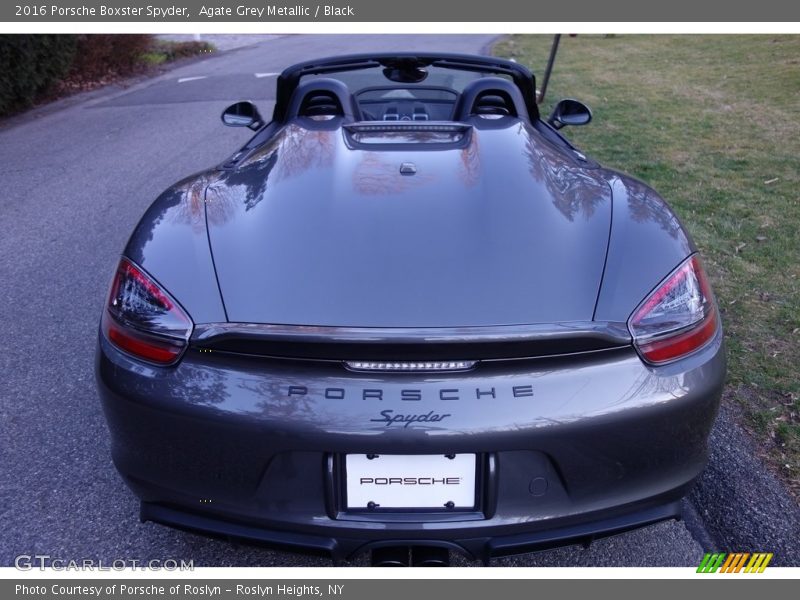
(490, 226)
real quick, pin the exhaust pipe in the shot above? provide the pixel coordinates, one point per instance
(430, 556)
(390, 556)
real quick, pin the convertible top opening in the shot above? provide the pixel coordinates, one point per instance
(405, 71)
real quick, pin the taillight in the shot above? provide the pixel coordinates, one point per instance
(142, 319)
(676, 319)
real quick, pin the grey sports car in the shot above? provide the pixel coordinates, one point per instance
(408, 317)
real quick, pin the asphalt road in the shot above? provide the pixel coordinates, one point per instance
(76, 177)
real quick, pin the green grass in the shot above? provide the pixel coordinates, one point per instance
(713, 123)
(154, 58)
(162, 51)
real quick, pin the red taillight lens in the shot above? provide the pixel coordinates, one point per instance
(142, 319)
(678, 318)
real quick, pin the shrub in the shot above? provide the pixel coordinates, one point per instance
(175, 50)
(101, 56)
(30, 65)
(168, 50)
(36, 66)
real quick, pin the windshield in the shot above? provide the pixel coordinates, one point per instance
(437, 77)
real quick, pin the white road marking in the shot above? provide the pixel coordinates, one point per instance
(185, 79)
(260, 75)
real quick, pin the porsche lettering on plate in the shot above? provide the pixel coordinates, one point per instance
(412, 481)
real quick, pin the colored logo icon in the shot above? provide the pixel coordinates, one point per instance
(736, 562)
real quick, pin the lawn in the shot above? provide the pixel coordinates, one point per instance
(713, 123)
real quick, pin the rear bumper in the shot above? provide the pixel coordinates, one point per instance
(474, 548)
(569, 448)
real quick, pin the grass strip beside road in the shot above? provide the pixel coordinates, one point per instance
(712, 122)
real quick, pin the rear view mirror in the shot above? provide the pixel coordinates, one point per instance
(569, 112)
(404, 70)
(242, 114)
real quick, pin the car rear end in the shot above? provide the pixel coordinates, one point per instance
(475, 356)
(485, 442)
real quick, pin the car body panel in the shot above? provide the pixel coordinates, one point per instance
(572, 438)
(647, 242)
(171, 244)
(319, 233)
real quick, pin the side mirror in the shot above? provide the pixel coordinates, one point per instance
(569, 112)
(242, 114)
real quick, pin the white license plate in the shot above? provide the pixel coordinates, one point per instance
(410, 481)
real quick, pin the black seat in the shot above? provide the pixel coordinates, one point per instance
(490, 96)
(322, 97)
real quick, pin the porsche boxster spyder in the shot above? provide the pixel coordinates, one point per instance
(409, 317)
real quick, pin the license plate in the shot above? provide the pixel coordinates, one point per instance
(410, 481)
